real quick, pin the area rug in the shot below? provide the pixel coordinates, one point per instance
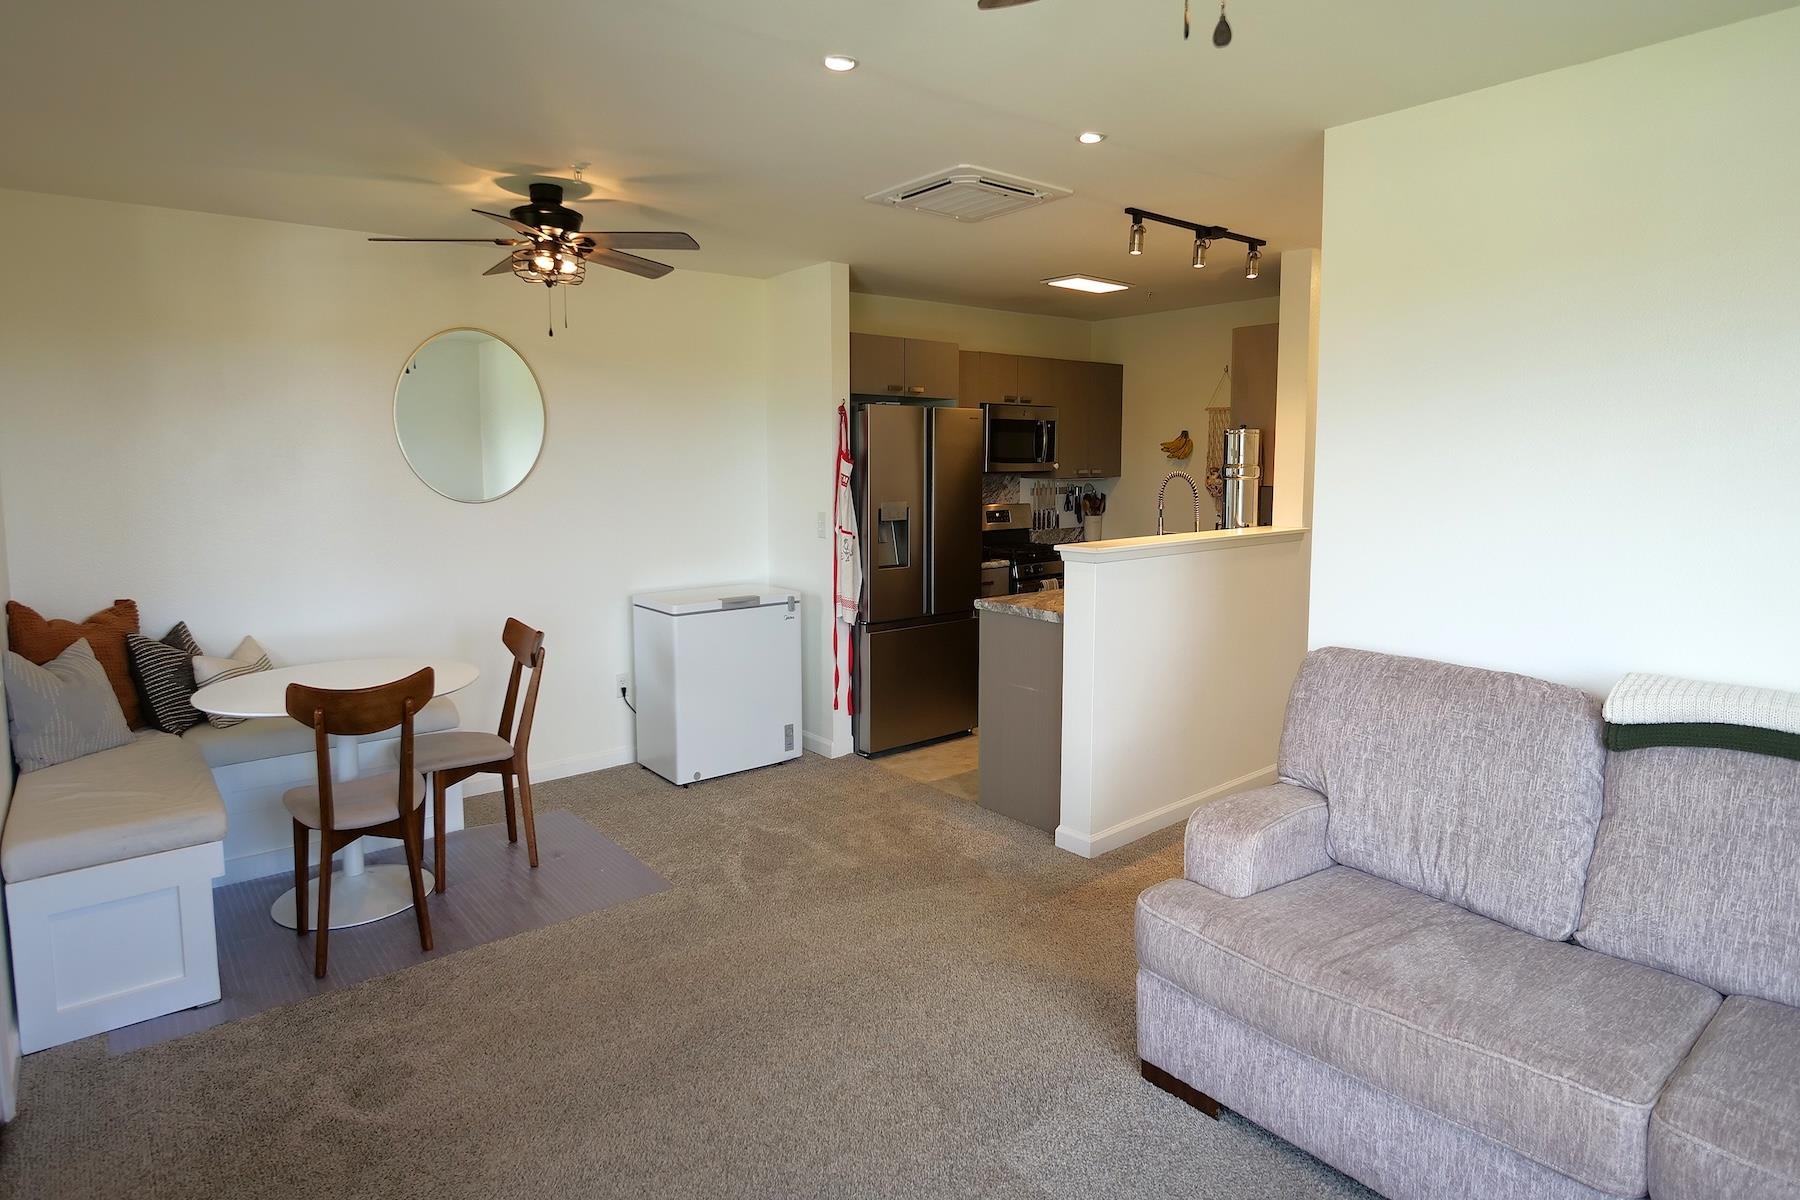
(493, 894)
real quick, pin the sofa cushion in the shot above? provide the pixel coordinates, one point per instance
(1728, 1123)
(273, 737)
(1250, 841)
(1549, 1049)
(39, 640)
(151, 795)
(61, 710)
(1695, 870)
(1476, 787)
(165, 677)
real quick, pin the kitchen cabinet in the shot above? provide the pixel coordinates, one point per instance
(1020, 710)
(987, 378)
(1254, 350)
(910, 368)
(1090, 422)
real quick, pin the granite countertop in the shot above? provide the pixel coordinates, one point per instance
(1036, 606)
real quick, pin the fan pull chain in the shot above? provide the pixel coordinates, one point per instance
(565, 308)
(549, 313)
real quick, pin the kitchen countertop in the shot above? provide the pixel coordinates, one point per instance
(1035, 606)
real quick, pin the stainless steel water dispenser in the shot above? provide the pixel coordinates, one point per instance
(1242, 478)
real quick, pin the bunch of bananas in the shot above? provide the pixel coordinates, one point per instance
(1180, 446)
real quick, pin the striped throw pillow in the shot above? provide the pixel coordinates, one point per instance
(165, 676)
(62, 710)
(245, 660)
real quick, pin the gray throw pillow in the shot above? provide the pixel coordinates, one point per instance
(63, 709)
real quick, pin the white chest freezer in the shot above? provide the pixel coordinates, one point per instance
(717, 673)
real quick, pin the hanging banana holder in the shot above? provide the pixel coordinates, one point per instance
(1179, 447)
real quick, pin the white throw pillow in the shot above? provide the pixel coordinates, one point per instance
(62, 710)
(247, 659)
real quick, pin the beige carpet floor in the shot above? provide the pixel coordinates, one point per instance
(858, 985)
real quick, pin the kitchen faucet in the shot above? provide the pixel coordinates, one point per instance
(1163, 490)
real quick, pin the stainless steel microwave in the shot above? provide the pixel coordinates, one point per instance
(1020, 438)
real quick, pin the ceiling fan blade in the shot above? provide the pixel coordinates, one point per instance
(629, 263)
(988, 4)
(515, 226)
(468, 241)
(503, 267)
(633, 239)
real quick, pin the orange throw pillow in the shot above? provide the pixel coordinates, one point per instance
(38, 641)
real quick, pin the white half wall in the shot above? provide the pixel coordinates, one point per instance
(1173, 365)
(219, 445)
(1557, 424)
(1178, 653)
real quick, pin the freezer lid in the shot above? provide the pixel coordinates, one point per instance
(714, 599)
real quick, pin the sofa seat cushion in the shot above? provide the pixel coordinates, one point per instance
(1549, 1049)
(150, 795)
(1694, 868)
(274, 737)
(1477, 787)
(1728, 1124)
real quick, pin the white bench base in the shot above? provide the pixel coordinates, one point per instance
(114, 944)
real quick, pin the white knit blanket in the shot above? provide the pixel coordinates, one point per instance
(1643, 699)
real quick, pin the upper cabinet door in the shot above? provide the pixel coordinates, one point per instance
(933, 370)
(1038, 380)
(877, 365)
(988, 378)
(1254, 350)
(1105, 426)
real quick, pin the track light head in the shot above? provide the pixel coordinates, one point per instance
(1200, 245)
(1136, 244)
(1250, 261)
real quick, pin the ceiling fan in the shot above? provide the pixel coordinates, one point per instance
(1221, 32)
(552, 249)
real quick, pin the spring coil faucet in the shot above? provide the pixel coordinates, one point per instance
(1163, 491)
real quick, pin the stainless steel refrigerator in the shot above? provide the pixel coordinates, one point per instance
(917, 482)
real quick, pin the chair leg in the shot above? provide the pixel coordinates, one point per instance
(530, 819)
(437, 832)
(322, 935)
(506, 790)
(300, 874)
(412, 836)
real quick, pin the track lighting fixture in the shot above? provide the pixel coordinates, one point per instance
(1204, 236)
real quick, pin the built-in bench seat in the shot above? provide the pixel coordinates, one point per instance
(109, 861)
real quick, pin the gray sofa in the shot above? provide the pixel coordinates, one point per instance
(1460, 951)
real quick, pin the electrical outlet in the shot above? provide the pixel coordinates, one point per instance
(621, 682)
(824, 525)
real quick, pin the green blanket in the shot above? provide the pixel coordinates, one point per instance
(1722, 737)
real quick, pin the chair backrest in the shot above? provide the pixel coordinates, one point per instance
(1477, 787)
(357, 712)
(526, 645)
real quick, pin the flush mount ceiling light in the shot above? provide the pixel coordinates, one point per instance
(1204, 236)
(1087, 283)
(839, 62)
(1091, 138)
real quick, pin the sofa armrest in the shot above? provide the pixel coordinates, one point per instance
(1251, 841)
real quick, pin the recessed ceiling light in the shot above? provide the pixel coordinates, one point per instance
(1091, 138)
(1087, 283)
(839, 62)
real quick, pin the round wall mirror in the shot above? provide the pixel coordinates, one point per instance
(469, 416)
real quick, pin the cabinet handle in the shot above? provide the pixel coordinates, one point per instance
(917, 391)
(894, 387)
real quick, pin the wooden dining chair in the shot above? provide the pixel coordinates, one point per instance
(389, 804)
(449, 758)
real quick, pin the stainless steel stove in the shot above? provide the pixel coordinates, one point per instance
(1006, 538)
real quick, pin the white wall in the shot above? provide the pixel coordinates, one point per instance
(1557, 426)
(808, 335)
(971, 328)
(9, 1018)
(218, 444)
(1178, 653)
(1173, 362)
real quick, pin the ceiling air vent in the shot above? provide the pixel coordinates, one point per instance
(968, 194)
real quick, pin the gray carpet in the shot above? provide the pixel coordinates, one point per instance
(496, 894)
(856, 985)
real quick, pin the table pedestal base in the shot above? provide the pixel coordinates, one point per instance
(377, 892)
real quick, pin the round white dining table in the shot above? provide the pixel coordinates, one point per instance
(359, 893)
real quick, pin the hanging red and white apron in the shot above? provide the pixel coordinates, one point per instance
(846, 573)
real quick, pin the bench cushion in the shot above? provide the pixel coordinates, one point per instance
(1729, 1122)
(150, 795)
(1553, 1051)
(1477, 787)
(274, 737)
(1695, 870)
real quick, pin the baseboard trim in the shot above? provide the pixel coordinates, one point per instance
(563, 768)
(1093, 845)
